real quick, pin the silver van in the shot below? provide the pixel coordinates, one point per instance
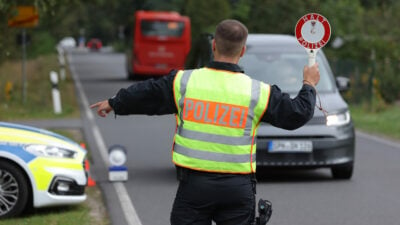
(328, 139)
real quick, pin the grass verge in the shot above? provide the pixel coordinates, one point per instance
(38, 101)
(384, 122)
(88, 213)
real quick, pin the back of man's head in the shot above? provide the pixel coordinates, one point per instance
(230, 37)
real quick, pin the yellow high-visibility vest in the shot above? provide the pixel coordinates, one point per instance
(218, 116)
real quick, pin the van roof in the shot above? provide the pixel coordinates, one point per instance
(266, 39)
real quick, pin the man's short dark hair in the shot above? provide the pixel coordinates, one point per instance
(230, 37)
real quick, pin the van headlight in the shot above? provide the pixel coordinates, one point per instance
(50, 151)
(338, 119)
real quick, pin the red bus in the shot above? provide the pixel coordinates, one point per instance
(161, 42)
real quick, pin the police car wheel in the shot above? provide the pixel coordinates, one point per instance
(13, 190)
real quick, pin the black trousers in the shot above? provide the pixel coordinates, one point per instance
(227, 199)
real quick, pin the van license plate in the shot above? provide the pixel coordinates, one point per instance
(288, 146)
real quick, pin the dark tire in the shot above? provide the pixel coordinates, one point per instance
(344, 172)
(14, 191)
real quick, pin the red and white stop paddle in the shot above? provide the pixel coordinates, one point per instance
(312, 32)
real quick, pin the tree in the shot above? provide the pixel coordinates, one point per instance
(205, 15)
(275, 16)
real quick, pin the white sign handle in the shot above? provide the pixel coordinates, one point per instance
(312, 54)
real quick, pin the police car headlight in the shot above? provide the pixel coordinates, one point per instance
(338, 119)
(50, 151)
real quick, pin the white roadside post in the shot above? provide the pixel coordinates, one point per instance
(117, 158)
(55, 92)
(61, 61)
(312, 32)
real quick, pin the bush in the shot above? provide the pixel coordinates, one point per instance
(42, 43)
(388, 82)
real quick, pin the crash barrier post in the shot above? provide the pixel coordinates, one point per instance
(55, 92)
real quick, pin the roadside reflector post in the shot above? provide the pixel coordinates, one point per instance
(312, 32)
(61, 61)
(55, 92)
(117, 158)
(8, 90)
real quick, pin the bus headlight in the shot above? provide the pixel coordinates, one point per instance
(50, 151)
(338, 119)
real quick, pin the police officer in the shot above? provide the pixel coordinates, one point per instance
(218, 110)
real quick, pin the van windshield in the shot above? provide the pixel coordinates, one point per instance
(151, 28)
(284, 69)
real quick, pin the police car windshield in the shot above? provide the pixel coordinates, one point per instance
(284, 69)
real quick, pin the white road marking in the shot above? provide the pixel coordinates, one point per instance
(126, 203)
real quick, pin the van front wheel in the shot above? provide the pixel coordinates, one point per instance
(344, 171)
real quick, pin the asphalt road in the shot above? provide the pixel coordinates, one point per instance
(371, 197)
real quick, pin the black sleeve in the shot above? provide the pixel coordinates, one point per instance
(149, 97)
(287, 113)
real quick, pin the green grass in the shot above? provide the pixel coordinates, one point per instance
(54, 215)
(88, 213)
(38, 101)
(384, 122)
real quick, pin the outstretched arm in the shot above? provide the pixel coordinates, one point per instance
(149, 97)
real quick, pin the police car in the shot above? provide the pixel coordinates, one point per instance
(38, 168)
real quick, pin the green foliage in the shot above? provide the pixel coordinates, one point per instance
(44, 43)
(241, 10)
(205, 15)
(275, 16)
(388, 82)
(385, 122)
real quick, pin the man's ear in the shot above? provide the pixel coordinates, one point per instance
(213, 45)
(243, 51)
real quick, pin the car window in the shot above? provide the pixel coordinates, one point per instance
(284, 69)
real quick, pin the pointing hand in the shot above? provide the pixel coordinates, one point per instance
(103, 108)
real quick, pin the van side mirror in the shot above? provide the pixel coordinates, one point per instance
(343, 83)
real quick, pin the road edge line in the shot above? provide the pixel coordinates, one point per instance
(125, 201)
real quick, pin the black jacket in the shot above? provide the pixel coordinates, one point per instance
(155, 97)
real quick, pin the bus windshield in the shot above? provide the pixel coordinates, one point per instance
(151, 28)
